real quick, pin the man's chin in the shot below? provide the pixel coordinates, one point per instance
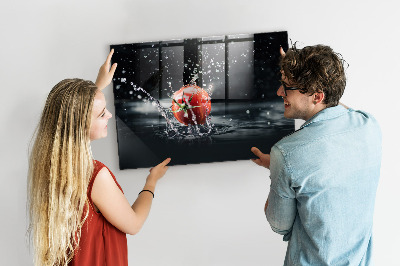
(287, 115)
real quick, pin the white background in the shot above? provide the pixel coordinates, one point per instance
(207, 214)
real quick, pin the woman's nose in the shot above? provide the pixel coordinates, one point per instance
(109, 115)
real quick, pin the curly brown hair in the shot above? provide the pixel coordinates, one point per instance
(316, 69)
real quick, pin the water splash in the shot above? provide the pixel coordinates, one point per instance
(165, 112)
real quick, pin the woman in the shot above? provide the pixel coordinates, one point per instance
(78, 212)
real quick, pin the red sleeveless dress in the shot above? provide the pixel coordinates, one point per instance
(101, 243)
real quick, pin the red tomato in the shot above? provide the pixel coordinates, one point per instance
(191, 105)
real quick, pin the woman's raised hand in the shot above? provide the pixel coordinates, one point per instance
(106, 72)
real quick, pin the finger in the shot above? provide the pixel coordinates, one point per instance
(256, 161)
(113, 68)
(108, 60)
(165, 162)
(282, 52)
(256, 151)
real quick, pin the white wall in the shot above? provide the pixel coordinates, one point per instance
(208, 214)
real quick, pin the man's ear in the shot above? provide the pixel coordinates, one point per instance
(318, 97)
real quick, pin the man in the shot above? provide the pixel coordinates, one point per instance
(323, 176)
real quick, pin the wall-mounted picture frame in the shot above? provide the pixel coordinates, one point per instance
(198, 100)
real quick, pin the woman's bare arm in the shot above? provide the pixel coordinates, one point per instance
(114, 206)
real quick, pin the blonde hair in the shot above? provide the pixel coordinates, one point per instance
(60, 168)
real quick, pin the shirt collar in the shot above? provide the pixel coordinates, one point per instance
(326, 114)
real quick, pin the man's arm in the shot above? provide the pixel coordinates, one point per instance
(280, 208)
(264, 161)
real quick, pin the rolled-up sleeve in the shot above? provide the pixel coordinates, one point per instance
(281, 210)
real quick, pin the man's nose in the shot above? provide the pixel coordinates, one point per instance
(280, 91)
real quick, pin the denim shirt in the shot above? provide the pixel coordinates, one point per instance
(324, 178)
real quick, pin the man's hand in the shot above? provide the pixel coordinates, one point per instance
(106, 73)
(264, 159)
(345, 106)
(282, 52)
